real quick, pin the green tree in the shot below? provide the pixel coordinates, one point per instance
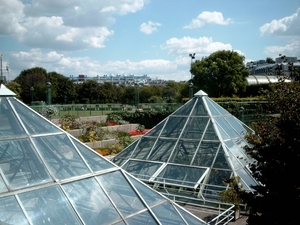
(275, 147)
(62, 88)
(108, 93)
(88, 91)
(223, 73)
(35, 77)
(270, 60)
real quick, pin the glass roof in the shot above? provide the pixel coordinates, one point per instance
(186, 148)
(49, 177)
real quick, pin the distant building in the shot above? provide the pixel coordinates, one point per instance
(262, 72)
(120, 79)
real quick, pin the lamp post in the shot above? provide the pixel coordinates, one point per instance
(31, 92)
(137, 97)
(191, 90)
(192, 55)
(48, 84)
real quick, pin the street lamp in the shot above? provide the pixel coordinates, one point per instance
(192, 55)
(191, 90)
(48, 84)
(137, 97)
(31, 92)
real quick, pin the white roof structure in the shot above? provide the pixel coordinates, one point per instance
(49, 177)
(191, 152)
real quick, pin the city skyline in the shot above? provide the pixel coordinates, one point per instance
(141, 36)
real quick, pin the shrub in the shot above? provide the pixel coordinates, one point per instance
(69, 122)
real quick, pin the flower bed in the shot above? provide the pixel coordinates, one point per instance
(137, 132)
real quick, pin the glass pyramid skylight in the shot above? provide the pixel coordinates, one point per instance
(49, 177)
(191, 152)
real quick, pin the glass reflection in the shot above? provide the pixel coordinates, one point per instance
(9, 124)
(61, 156)
(10, 212)
(21, 165)
(141, 170)
(121, 193)
(48, 206)
(91, 203)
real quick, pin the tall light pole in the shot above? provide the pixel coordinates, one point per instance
(48, 84)
(192, 55)
(31, 92)
(1, 75)
(191, 90)
(137, 95)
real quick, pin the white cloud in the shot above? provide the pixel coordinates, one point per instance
(208, 18)
(203, 46)
(288, 26)
(150, 27)
(292, 49)
(11, 16)
(62, 25)
(61, 63)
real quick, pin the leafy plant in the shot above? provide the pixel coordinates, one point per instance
(233, 193)
(69, 122)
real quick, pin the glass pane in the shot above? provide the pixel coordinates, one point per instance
(180, 175)
(3, 187)
(90, 202)
(199, 109)
(121, 193)
(226, 127)
(206, 154)
(221, 160)
(238, 152)
(185, 110)
(95, 161)
(211, 108)
(216, 177)
(173, 127)
(34, 123)
(155, 131)
(221, 110)
(141, 170)
(48, 205)
(210, 133)
(246, 177)
(236, 125)
(9, 124)
(126, 153)
(21, 165)
(195, 127)
(190, 219)
(61, 156)
(143, 148)
(166, 214)
(224, 136)
(162, 150)
(10, 212)
(150, 196)
(184, 152)
(141, 218)
(234, 161)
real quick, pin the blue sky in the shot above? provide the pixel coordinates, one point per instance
(153, 37)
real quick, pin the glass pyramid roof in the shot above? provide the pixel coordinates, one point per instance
(49, 177)
(194, 149)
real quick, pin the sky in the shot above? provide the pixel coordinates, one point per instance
(153, 37)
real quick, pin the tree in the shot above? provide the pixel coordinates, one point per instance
(223, 73)
(275, 147)
(62, 88)
(35, 77)
(270, 60)
(88, 91)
